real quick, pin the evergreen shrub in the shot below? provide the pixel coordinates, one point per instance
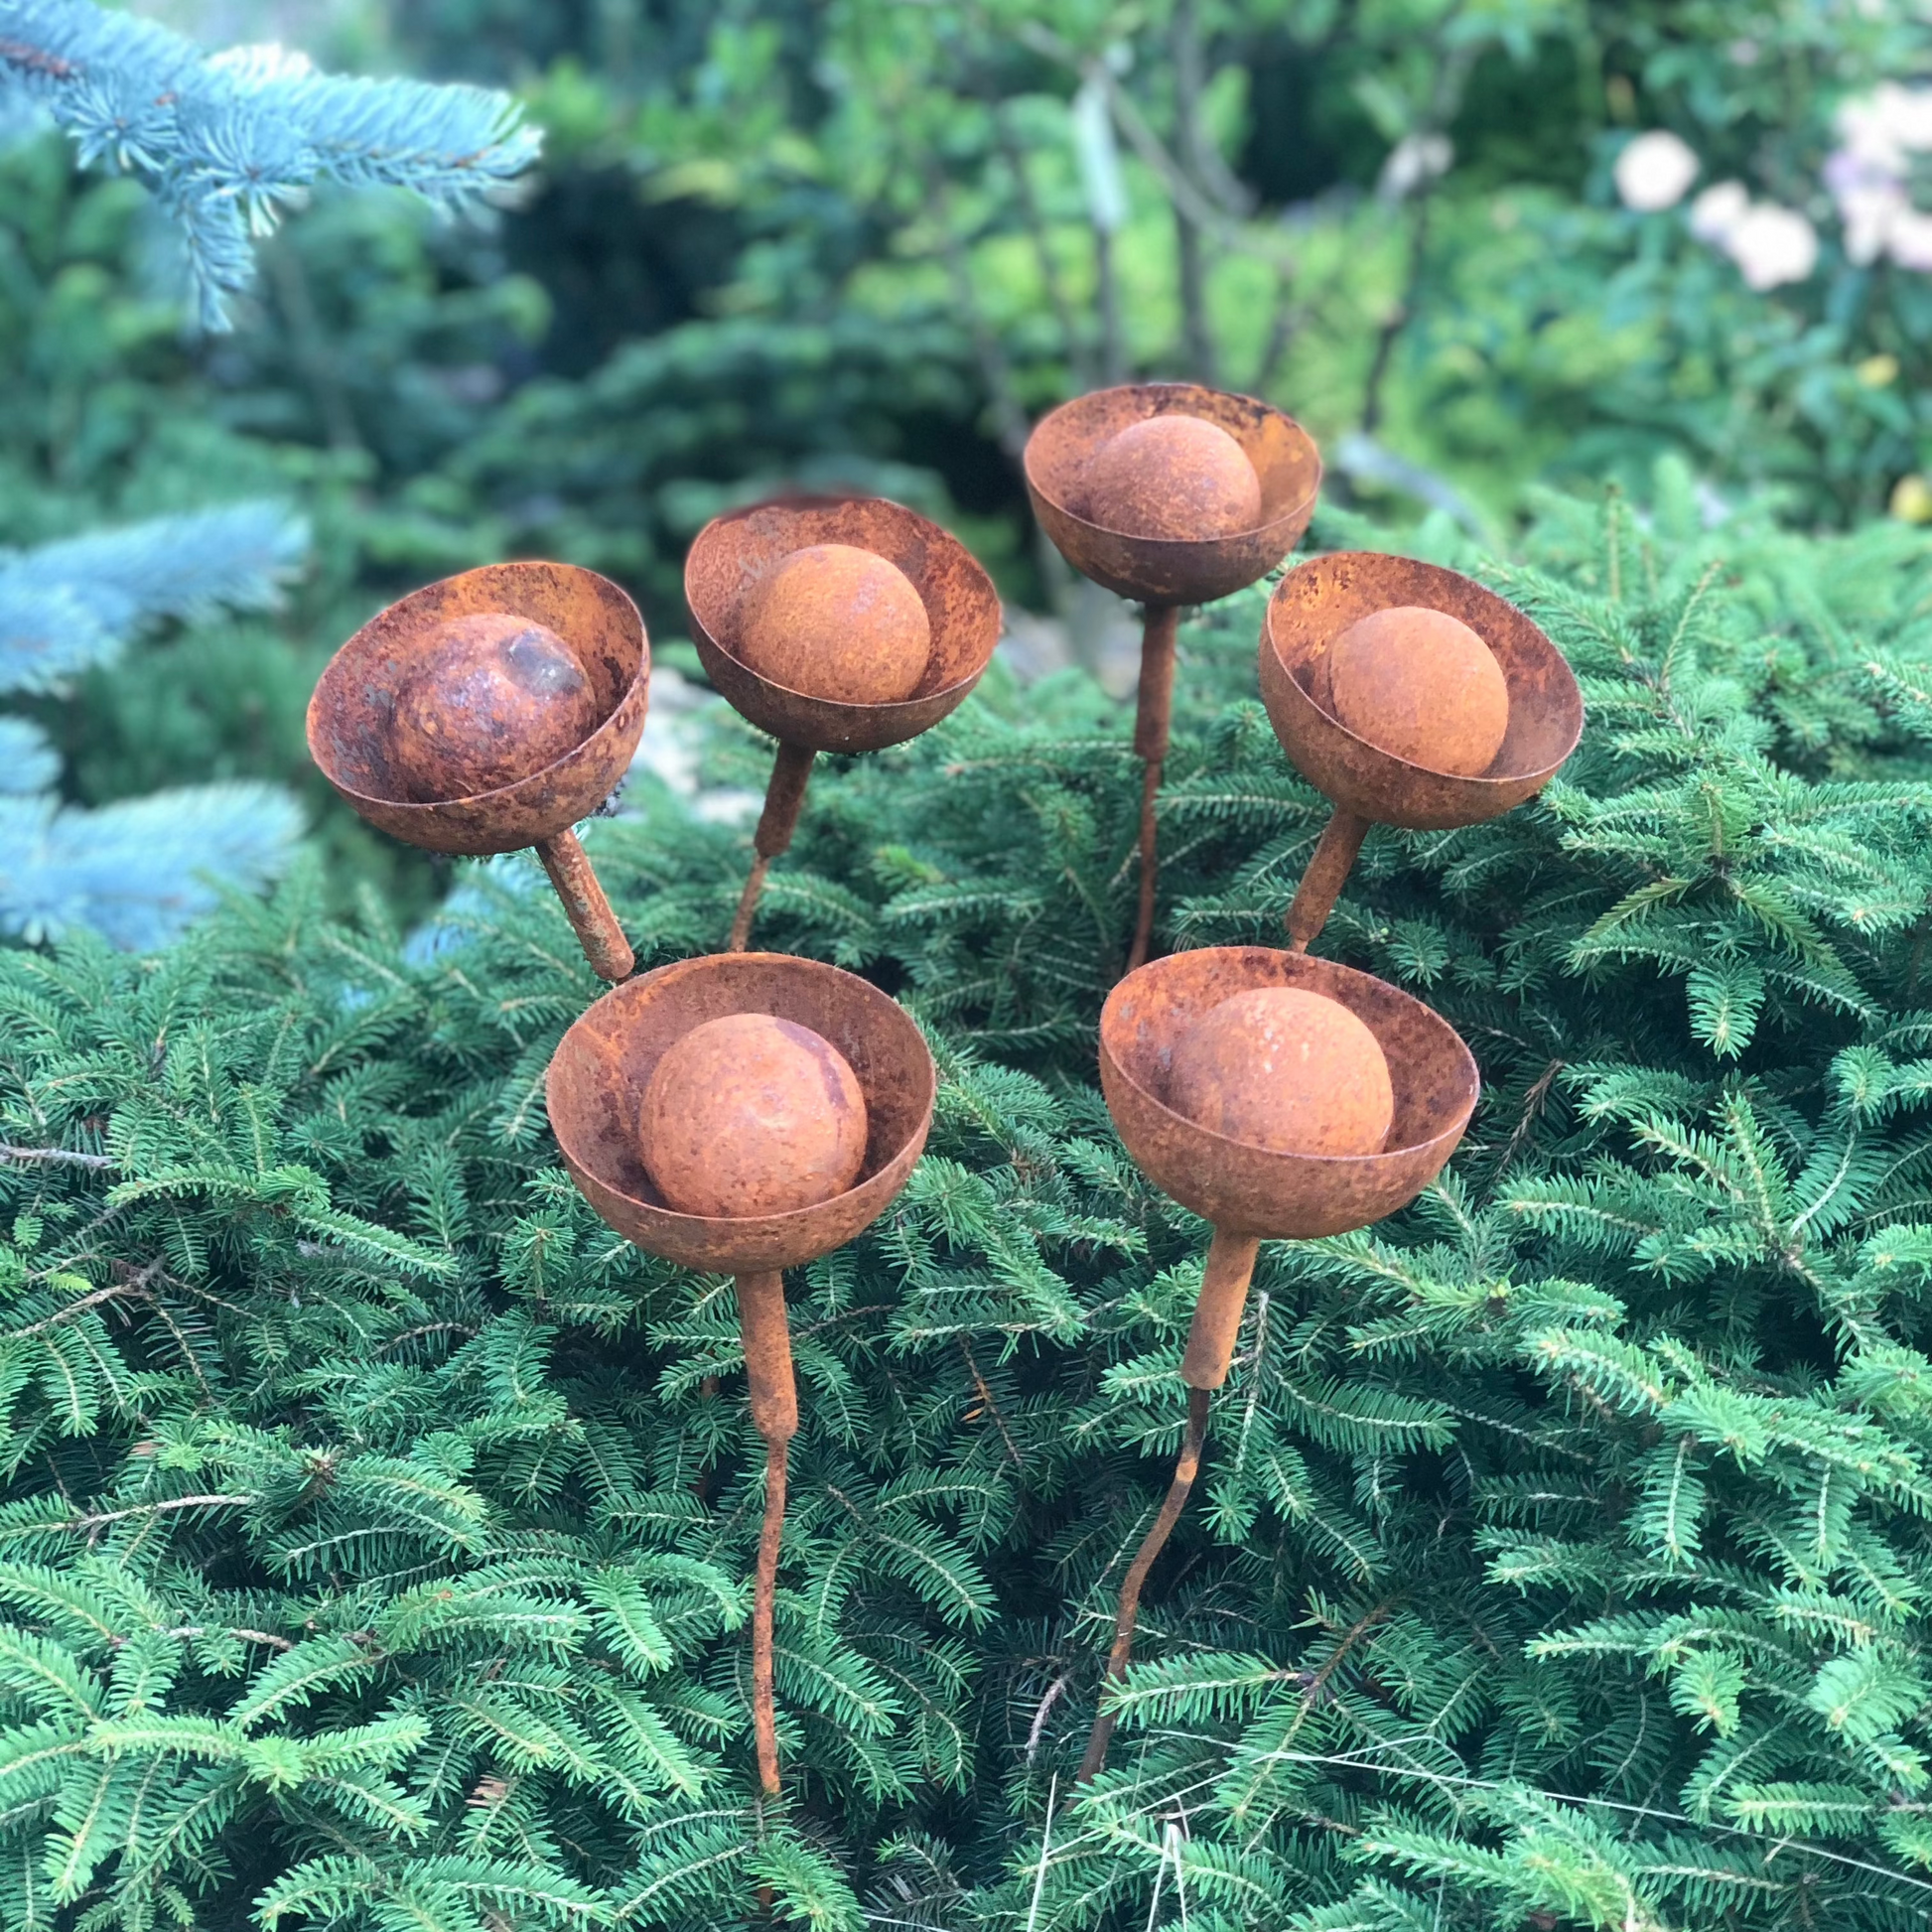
(375, 1524)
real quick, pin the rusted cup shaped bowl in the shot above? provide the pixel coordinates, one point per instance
(597, 1079)
(733, 552)
(1317, 601)
(350, 713)
(1171, 570)
(1247, 1190)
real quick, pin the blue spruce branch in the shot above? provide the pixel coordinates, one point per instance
(227, 141)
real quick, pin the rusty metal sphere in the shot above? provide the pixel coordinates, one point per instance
(602, 1066)
(751, 1114)
(1284, 1068)
(494, 696)
(353, 714)
(735, 552)
(1316, 601)
(1421, 685)
(836, 622)
(1161, 570)
(1172, 475)
(1248, 1190)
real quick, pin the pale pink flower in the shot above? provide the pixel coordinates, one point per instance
(1655, 172)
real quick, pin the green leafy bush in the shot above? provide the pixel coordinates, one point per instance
(376, 1521)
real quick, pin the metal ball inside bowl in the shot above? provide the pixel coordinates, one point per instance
(489, 698)
(836, 622)
(749, 1114)
(1284, 1068)
(1173, 477)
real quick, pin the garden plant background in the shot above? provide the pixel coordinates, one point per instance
(374, 1521)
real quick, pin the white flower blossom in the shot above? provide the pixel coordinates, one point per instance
(1772, 245)
(1718, 210)
(1867, 175)
(1655, 172)
(1909, 242)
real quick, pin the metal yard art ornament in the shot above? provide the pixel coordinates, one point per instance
(835, 625)
(1172, 494)
(742, 1114)
(1413, 697)
(490, 712)
(1320, 605)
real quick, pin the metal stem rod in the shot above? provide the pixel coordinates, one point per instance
(585, 907)
(774, 1414)
(1210, 1349)
(1094, 1759)
(1328, 872)
(1153, 715)
(784, 798)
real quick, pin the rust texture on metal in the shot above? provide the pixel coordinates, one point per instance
(1419, 683)
(353, 714)
(1335, 858)
(1257, 1190)
(598, 1074)
(785, 799)
(586, 906)
(492, 697)
(1317, 601)
(1152, 711)
(735, 553)
(1284, 1068)
(768, 1354)
(1186, 1466)
(749, 1115)
(1218, 1310)
(1059, 462)
(1172, 475)
(764, 1603)
(834, 622)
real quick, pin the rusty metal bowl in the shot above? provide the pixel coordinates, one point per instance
(1169, 570)
(733, 552)
(1254, 1190)
(1317, 601)
(350, 714)
(597, 1075)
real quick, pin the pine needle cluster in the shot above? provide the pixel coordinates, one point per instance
(375, 1522)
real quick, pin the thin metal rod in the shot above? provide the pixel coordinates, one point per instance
(585, 907)
(1217, 1312)
(784, 798)
(774, 1414)
(1153, 715)
(1094, 1759)
(764, 1714)
(1210, 1348)
(1328, 872)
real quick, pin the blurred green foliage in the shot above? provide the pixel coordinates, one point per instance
(858, 245)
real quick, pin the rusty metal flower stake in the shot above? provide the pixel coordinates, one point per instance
(490, 712)
(1184, 1045)
(835, 625)
(1457, 706)
(742, 1114)
(1170, 495)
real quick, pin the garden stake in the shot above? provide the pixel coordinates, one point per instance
(1163, 573)
(733, 557)
(360, 709)
(1251, 1194)
(595, 1089)
(1311, 608)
